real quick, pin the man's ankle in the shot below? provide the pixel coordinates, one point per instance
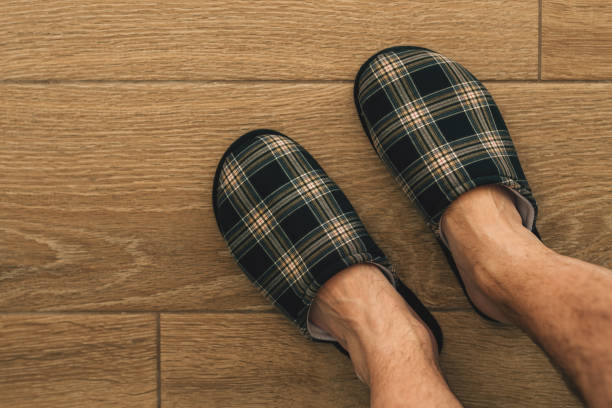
(361, 309)
(490, 246)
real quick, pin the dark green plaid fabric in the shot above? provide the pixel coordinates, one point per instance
(288, 224)
(437, 128)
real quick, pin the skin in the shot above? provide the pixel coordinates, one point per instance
(563, 304)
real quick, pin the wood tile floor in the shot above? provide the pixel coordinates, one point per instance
(116, 289)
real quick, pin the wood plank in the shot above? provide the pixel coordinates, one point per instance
(255, 360)
(105, 188)
(259, 360)
(576, 39)
(488, 365)
(78, 360)
(280, 39)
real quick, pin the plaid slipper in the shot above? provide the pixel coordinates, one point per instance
(290, 227)
(439, 131)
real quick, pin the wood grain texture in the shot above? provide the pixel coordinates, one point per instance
(254, 360)
(576, 39)
(280, 39)
(77, 361)
(105, 189)
(488, 365)
(259, 360)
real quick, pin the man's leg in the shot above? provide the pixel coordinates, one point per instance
(391, 348)
(563, 304)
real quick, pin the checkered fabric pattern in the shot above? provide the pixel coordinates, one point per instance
(288, 224)
(436, 127)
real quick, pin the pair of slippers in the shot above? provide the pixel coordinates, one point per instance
(291, 228)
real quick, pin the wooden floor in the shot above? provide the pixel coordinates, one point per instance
(116, 289)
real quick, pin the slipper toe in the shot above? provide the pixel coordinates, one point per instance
(289, 226)
(439, 131)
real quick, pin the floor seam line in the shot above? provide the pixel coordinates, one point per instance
(280, 82)
(540, 40)
(158, 313)
(158, 338)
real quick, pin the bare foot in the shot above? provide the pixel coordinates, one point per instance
(362, 310)
(485, 233)
(562, 303)
(392, 350)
